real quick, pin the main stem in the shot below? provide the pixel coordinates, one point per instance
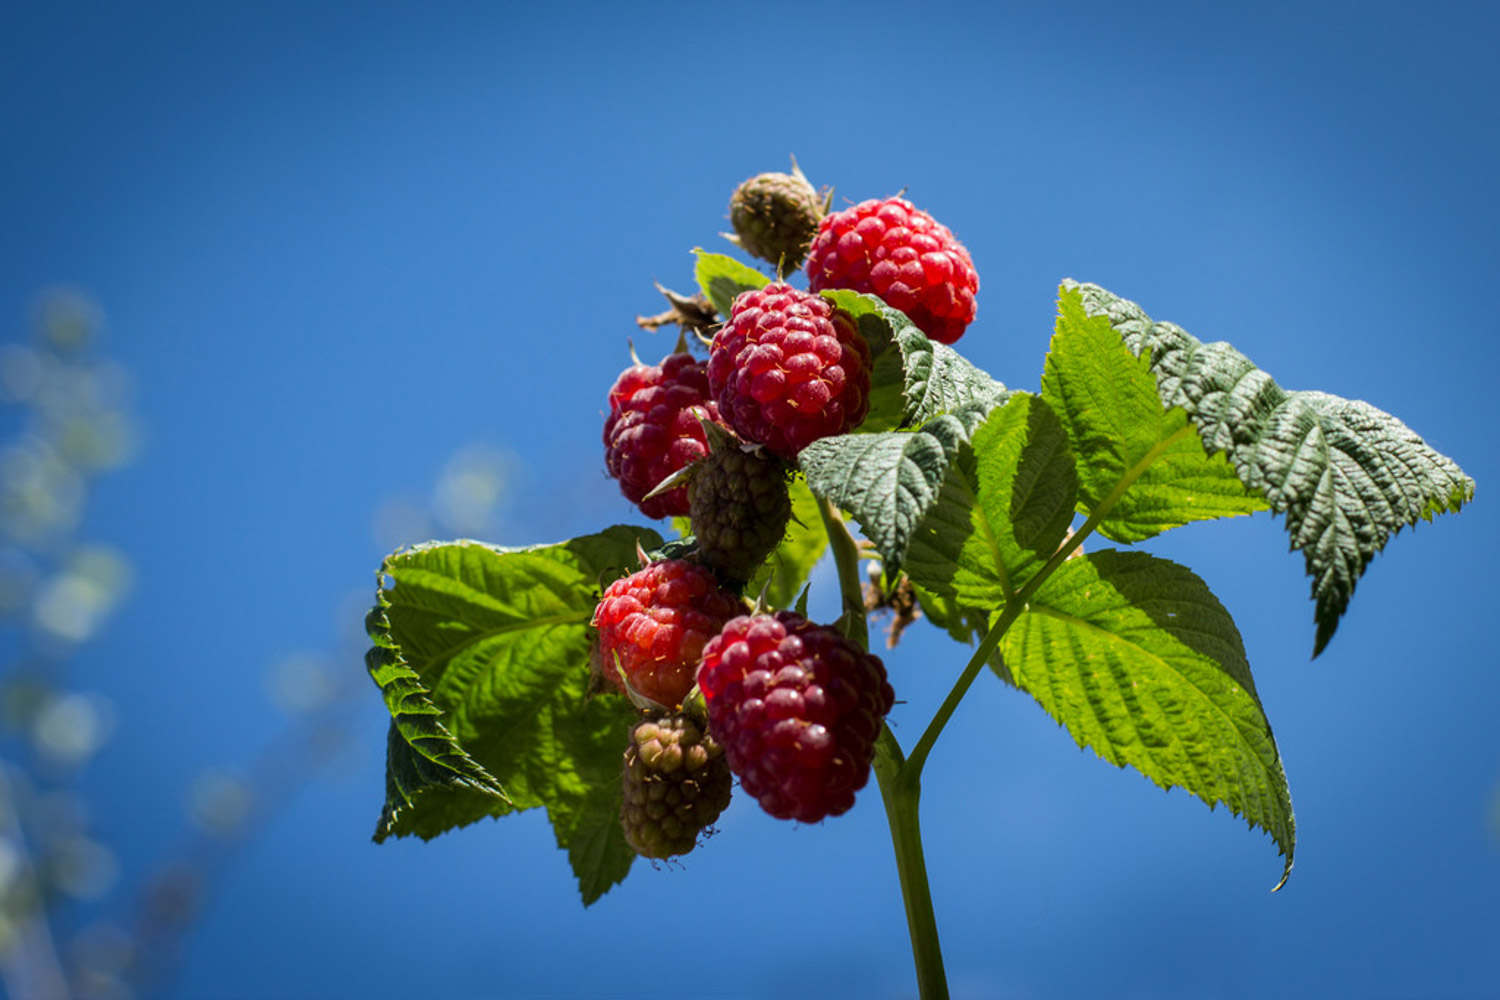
(899, 776)
(900, 786)
(902, 808)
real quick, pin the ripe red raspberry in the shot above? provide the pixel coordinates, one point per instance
(652, 429)
(789, 368)
(654, 623)
(900, 253)
(797, 708)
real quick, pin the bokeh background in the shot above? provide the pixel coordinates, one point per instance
(283, 287)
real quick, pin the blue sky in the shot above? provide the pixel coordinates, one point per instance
(335, 246)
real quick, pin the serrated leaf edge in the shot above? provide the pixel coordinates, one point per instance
(1238, 435)
(1286, 846)
(416, 717)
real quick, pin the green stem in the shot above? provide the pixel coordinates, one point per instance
(900, 777)
(846, 561)
(900, 787)
(918, 758)
(902, 800)
(1014, 605)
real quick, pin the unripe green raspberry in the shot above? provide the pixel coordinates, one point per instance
(739, 505)
(775, 217)
(675, 782)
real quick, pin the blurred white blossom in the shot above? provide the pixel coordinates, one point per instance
(302, 682)
(471, 490)
(70, 728)
(219, 803)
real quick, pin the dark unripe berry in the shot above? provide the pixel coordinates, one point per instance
(675, 783)
(775, 216)
(739, 505)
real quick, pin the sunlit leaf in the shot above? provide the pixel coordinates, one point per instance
(1141, 663)
(482, 654)
(1140, 464)
(723, 278)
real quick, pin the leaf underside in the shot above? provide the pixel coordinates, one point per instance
(1002, 510)
(1028, 485)
(482, 655)
(887, 474)
(1345, 475)
(1141, 468)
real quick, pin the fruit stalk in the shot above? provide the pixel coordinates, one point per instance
(846, 560)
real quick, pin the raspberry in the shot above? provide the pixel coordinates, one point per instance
(653, 624)
(797, 707)
(653, 430)
(902, 254)
(789, 368)
(739, 505)
(775, 217)
(675, 782)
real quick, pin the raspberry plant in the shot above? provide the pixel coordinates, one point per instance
(512, 685)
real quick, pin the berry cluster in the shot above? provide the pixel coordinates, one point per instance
(796, 706)
(787, 367)
(790, 707)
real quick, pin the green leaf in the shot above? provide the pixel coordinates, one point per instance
(1141, 467)
(723, 278)
(951, 563)
(793, 560)
(1003, 510)
(1027, 485)
(469, 792)
(1346, 475)
(914, 379)
(888, 480)
(1131, 653)
(421, 754)
(482, 655)
(675, 548)
(1139, 660)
